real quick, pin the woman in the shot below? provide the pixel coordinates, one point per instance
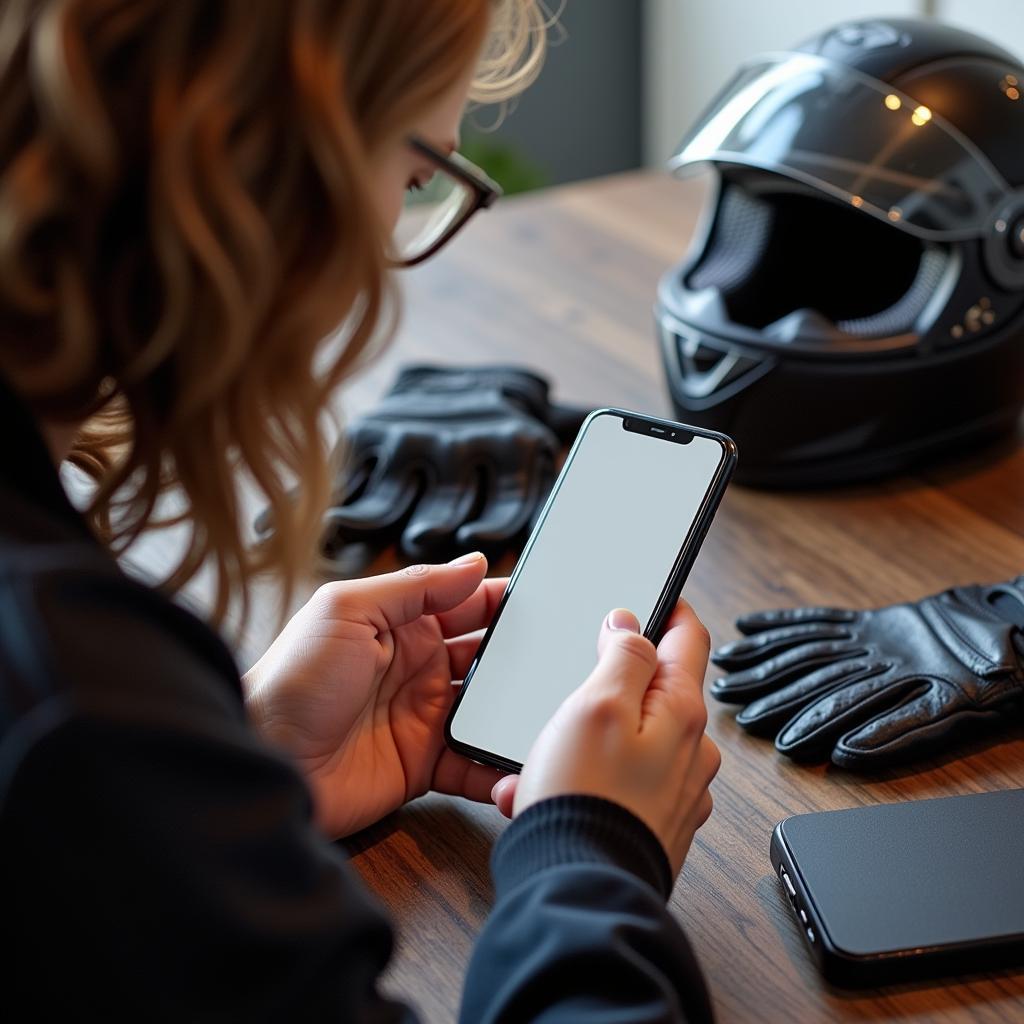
(193, 195)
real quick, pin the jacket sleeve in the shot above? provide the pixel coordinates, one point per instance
(580, 931)
(158, 863)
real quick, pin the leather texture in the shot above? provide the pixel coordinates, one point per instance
(869, 688)
(452, 459)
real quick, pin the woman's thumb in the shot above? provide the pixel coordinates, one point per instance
(626, 660)
(417, 590)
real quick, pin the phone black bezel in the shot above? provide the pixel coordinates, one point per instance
(674, 583)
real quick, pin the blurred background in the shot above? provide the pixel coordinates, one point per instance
(626, 78)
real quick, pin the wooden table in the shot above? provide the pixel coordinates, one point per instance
(564, 281)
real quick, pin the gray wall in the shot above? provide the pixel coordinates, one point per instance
(582, 117)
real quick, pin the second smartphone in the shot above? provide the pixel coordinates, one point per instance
(897, 892)
(621, 528)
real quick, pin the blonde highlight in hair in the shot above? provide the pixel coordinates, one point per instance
(514, 54)
(185, 224)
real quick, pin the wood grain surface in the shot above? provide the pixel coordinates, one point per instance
(564, 281)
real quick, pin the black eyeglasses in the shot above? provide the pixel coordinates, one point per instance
(434, 213)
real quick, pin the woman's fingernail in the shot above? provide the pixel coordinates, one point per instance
(622, 618)
(473, 556)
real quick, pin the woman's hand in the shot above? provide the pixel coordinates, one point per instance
(357, 687)
(633, 733)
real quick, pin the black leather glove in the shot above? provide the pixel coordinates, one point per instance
(453, 458)
(873, 687)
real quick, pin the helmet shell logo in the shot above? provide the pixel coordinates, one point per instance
(868, 35)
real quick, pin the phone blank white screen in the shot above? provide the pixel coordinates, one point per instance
(623, 508)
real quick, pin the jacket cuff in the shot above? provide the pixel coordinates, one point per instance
(578, 830)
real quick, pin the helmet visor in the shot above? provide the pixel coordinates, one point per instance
(852, 136)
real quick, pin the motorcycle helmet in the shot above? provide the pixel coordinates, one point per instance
(853, 301)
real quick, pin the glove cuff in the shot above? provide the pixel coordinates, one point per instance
(529, 390)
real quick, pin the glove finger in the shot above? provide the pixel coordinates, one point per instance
(438, 515)
(352, 480)
(566, 420)
(926, 717)
(768, 714)
(751, 683)
(545, 480)
(263, 524)
(386, 501)
(348, 484)
(813, 731)
(757, 622)
(757, 648)
(509, 509)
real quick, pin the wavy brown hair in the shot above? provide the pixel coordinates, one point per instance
(185, 223)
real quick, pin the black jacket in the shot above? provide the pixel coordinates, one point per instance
(158, 861)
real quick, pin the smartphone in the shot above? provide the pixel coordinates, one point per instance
(893, 892)
(621, 528)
